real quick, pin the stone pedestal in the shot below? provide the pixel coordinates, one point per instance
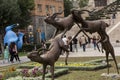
(111, 75)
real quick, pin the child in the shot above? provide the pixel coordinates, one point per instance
(6, 53)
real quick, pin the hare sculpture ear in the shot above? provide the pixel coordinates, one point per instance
(55, 14)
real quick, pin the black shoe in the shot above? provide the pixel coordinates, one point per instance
(12, 61)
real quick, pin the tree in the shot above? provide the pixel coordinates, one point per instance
(67, 7)
(15, 11)
(9, 12)
(26, 6)
(83, 3)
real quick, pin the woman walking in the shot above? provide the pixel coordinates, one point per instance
(16, 52)
(13, 52)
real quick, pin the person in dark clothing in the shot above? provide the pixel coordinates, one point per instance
(71, 49)
(16, 52)
(75, 44)
(12, 53)
(94, 42)
(70, 44)
(113, 18)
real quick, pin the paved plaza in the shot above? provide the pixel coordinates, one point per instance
(90, 52)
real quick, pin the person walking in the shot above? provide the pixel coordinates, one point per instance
(65, 40)
(83, 42)
(75, 44)
(70, 44)
(113, 18)
(15, 52)
(80, 42)
(6, 53)
(12, 53)
(94, 41)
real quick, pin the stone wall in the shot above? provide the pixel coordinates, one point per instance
(91, 3)
(42, 8)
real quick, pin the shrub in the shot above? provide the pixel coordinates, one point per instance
(30, 47)
(9, 74)
(26, 67)
(11, 71)
(36, 72)
(25, 73)
(58, 72)
(1, 77)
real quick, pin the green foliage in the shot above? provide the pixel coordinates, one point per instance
(9, 12)
(83, 3)
(25, 7)
(59, 72)
(9, 74)
(67, 7)
(86, 68)
(30, 47)
(34, 74)
(26, 67)
(15, 11)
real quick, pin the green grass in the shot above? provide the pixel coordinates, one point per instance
(88, 75)
(22, 53)
(83, 75)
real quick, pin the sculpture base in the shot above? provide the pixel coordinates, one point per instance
(110, 75)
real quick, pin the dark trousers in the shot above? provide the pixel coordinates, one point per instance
(84, 47)
(94, 45)
(17, 57)
(71, 49)
(11, 57)
(75, 46)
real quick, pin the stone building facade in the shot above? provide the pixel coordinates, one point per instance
(99, 3)
(42, 8)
